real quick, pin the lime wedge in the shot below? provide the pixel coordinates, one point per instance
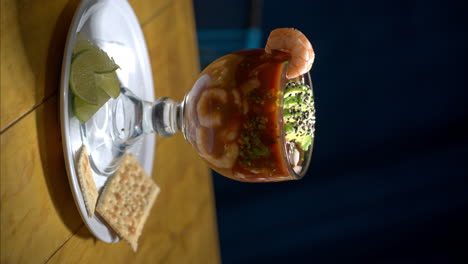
(83, 110)
(109, 83)
(82, 81)
(100, 61)
(93, 79)
(81, 43)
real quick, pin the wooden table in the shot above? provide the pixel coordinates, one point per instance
(39, 220)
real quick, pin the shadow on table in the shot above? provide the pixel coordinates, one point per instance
(45, 60)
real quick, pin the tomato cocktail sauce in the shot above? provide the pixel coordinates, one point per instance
(236, 113)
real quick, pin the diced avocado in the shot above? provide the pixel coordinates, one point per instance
(298, 113)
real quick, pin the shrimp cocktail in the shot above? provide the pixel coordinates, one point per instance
(250, 114)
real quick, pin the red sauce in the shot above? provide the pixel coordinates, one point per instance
(233, 116)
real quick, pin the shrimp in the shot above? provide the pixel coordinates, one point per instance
(221, 70)
(205, 140)
(227, 160)
(207, 112)
(230, 132)
(294, 42)
(205, 144)
(237, 98)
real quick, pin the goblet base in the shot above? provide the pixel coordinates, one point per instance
(116, 128)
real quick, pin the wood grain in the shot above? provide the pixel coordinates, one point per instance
(173, 51)
(39, 221)
(147, 10)
(38, 213)
(32, 43)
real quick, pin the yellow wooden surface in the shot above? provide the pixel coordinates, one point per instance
(147, 10)
(39, 220)
(32, 41)
(38, 213)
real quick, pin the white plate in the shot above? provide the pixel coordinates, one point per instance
(113, 26)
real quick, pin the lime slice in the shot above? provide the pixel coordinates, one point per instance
(83, 110)
(81, 43)
(82, 81)
(76, 55)
(101, 62)
(93, 79)
(109, 83)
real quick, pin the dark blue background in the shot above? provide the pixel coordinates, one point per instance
(388, 177)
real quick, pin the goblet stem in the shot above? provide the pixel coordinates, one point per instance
(167, 117)
(134, 117)
(127, 119)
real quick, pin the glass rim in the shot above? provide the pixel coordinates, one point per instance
(308, 153)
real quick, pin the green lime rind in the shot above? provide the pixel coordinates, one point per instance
(107, 71)
(82, 81)
(109, 83)
(75, 55)
(93, 80)
(81, 43)
(82, 116)
(100, 61)
(84, 111)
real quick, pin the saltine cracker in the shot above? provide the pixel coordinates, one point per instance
(86, 179)
(127, 199)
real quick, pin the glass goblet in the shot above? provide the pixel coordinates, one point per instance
(234, 117)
